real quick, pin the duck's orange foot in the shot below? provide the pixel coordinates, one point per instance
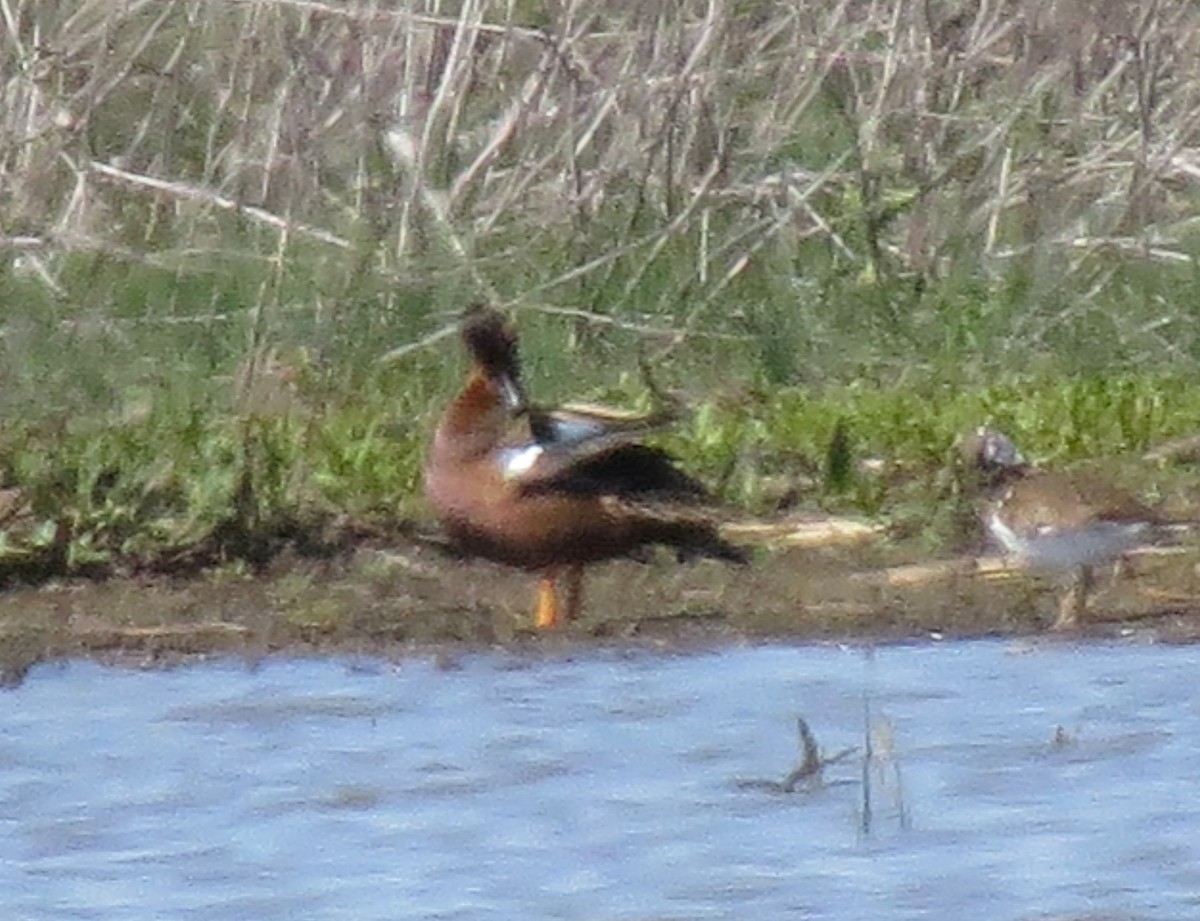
(547, 613)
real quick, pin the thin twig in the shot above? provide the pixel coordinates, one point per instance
(208, 196)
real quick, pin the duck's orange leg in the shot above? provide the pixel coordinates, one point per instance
(574, 592)
(547, 613)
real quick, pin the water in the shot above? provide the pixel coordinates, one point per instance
(610, 785)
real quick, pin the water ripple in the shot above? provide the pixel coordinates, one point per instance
(1010, 782)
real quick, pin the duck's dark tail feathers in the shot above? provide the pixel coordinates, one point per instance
(694, 536)
(716, 549)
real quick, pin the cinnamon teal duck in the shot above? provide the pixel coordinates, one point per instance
(553, 490)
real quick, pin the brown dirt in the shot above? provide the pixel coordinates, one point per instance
(411, 597)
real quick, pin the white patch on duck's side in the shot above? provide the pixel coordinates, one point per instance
(517, 462)
(1063, 548)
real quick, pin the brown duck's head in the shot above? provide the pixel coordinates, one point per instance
(492, 344)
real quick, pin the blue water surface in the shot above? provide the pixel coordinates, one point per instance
(609, 784)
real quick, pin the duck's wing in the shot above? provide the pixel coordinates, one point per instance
(598, 468)
(626, 470)
(578, 424)
(633, 482)
(581, 449)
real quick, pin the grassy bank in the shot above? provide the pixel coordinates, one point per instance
(233, 237)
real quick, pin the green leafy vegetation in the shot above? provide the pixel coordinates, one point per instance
(234, 238)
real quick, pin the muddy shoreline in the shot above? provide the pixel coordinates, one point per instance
(409, 597)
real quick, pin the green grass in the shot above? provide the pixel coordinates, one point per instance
(145, 446)
(215, 227)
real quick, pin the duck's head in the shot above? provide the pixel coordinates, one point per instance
(492, 344)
